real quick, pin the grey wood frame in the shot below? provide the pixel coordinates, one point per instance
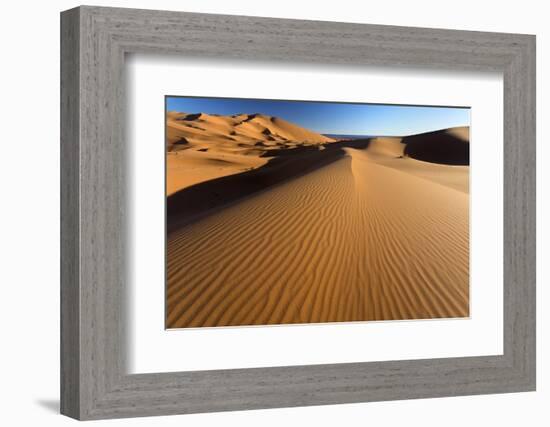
(94, 382)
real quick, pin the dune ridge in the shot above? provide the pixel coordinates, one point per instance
(361, 232)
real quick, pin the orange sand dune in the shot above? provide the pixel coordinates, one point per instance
(356, 231)
(201, 147)
(390, 152)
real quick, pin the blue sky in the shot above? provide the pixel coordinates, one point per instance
(333, 117)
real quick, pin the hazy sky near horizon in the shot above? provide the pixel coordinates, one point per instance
(333, 117)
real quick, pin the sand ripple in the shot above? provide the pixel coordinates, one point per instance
(354, 240)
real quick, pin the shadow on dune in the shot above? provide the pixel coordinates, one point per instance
(197, 201)
(438, 147)
(179, 145)
(200, 200)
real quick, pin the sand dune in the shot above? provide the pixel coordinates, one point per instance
(390, 151)
(449, 146)
(243, 128)
(192, 167)
(355, 231)
(205, 197)
(201, 147)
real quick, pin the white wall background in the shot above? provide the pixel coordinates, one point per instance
(29, 224)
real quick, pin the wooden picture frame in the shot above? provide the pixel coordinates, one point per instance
(94, 382)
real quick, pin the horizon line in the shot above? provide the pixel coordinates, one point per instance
(321, 133)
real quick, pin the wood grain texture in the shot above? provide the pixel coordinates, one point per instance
(95, 383)
(70, 314)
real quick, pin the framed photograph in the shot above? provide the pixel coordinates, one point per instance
(262, 213)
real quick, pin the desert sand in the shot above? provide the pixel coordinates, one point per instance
(302, 228)
(202, 147)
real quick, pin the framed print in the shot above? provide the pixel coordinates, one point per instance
(292, 213)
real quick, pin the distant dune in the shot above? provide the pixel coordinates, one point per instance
(302, 228)
(391, 152)
(448, 146)
(202, 146)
